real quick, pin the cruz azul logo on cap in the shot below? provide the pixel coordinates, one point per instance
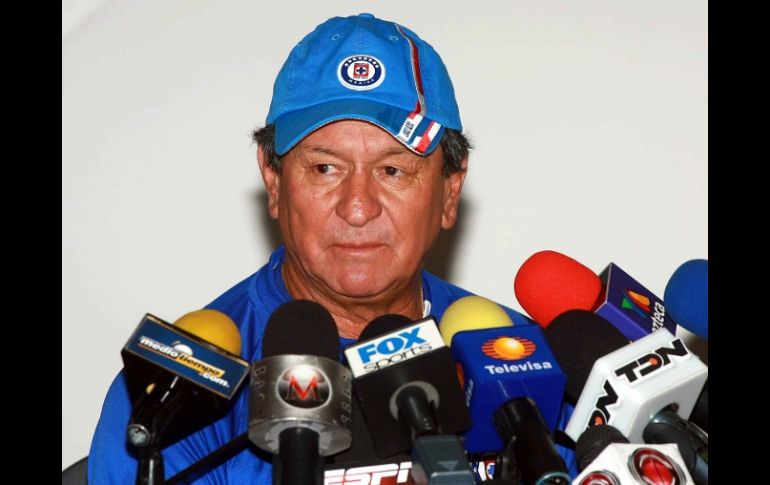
(361, 72)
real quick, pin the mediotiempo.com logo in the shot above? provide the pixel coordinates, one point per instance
(183, 354)
(508, 348)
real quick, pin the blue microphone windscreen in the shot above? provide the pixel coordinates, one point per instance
(686, 297)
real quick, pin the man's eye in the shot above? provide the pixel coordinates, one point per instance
(323, 168)
(393, 171)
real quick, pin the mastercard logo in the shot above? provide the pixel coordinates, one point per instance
(508, 348)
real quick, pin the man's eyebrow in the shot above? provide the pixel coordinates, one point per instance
(327, 150)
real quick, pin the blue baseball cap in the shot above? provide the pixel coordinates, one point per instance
(364, 68)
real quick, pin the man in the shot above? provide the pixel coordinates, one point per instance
(363, 161)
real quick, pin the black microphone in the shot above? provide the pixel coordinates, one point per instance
(668, 427)
(300, 403)
(639, 387)
(593, 441)
(405, 382)
(410, 395)
(700, 412)
(415, 413)
(180, 377)
(361, 450)
(564, 335)
(528, 442)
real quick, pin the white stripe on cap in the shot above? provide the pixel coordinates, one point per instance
(421, 143)
(415, 117)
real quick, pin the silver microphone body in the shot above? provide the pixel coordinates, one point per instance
(300, 391)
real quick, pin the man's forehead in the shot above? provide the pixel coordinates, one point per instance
(352, 136)
(326, 149)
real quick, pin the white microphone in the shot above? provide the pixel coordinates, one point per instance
(624, 464)
(629, 386)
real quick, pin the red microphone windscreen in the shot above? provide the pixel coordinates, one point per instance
(550, 283)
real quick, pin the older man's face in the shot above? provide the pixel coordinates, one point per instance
(357, 210)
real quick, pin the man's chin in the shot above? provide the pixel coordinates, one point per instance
(361, 285)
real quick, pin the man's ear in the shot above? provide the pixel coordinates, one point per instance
(272, 180)
(453, 185)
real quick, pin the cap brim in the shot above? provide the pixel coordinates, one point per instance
(292, 127)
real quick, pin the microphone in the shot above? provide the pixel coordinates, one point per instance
(550, 283)
(687, 295)
(593, 441)
(180, 377)
(300, 402)
(436, 458)
(622, 463)
(686, 298)
(564, 335)
(405, 383)
(212, 326)
(636, 388)
(472, 312)
(625, 388)
(528, 441)
(667, 427)
(513, 387)
(700, 412)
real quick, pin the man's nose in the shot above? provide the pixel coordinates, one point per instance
(360, 202)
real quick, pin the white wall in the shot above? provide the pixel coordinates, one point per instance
(590, 120)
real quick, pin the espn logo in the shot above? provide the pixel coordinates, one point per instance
(385, 474)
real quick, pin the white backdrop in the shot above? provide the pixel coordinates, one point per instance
(590, 121)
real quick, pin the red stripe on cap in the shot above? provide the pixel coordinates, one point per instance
(416, 66)
(426, 139)
(421, 108)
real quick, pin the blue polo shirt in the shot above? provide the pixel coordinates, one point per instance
(250, 304)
